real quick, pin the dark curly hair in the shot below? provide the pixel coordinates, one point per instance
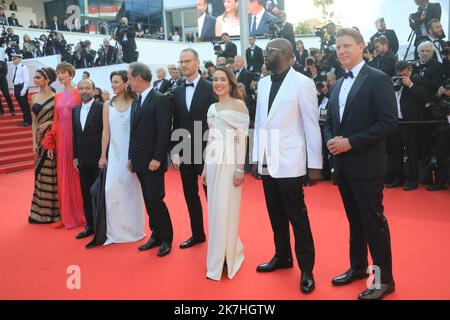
(49, 74)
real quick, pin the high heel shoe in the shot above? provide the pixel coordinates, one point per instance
(58, 225)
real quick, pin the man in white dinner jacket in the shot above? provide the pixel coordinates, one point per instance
(287, 139)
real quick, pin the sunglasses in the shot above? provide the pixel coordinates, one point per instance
(271, 50)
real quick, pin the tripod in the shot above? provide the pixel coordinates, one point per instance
(411, 39)
(115, 56)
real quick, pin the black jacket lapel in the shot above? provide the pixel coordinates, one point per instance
(89, 117)
(138, 113)
(335, 99)
(196, 96)
(359, 81)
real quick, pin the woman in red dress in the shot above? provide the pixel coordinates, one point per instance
(59, 143)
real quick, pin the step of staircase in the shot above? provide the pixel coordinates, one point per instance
(17, 167)
(5, 152)
(8, 122)
(16, 143)
(17, 158)
(12, 129)
(15, 135)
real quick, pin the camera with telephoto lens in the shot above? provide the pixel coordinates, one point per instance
(310, 61)
(440, 109)
(217, 45)
(397, 82)
(274, 26)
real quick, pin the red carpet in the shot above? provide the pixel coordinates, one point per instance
(34, 258)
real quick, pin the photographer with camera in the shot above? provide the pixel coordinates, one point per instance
(411, 99)
(286, 31)
(388, 33)
(83, 56)
(385, 59)
(230, 48)
(441, 111)
(48, 47)
(10, 36)
(126, 36)
(30, 47)
(418, 21)
(11, 49)
(105, 54)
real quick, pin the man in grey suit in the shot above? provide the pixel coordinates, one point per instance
(206, 23)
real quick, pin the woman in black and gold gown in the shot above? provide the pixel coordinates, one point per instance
(44, 206)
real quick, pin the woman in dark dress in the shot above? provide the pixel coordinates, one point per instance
(44, 206)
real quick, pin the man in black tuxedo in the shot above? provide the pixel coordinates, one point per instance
(254, 55)
(243, 75)
(287, 32)
(151, 123)
(361, 115)
(190, 107)
(12, 21)
(127, 39)
(411, 100)
(176, 80)
(385, 60)
(388, 33)
(87, 127)
(258, 17)
(161, 84)
(206, 22)
(418, 21)
(4, 88)
(435, 35)
(230, 48)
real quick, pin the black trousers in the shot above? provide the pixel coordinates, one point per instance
(285, 203)
(363, 202)
(189, 178)
(442, 153)
(88, 176)
(5, 92)
(129, 55)
(410, 141)
(152, 184)
(23, 103)
(394, 151)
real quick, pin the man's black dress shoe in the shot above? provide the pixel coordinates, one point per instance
(164, 250)
(88, 231)
(350, 276)
(410, 186)
(394, 184)
(191, 242)
(436, 187)
(151, 243)
(307, 283)
(275, 264)
(377, 294)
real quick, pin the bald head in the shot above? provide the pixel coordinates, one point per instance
(278, 55)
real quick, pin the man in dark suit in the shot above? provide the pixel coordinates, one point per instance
(190, 107)
(230, 48)
(12, 21)
(217, 7)
(54, 24)
(206, 22)
(385, 60)
(419, 20)
(411, 100)
(127, 39)
(389, 34)
(151, 123)
(258, 17)
(287, 32)
(254, 55)
(161, 84)
(435, 35)
(4, 88)
(87, 127)
(243, 75)
(361, 115)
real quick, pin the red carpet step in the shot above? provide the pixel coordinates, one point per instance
(16, 143)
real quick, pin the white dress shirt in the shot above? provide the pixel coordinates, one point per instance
(85, 108)
(398, 96)
(190, 92)
(259, 17)
(22, 76)
(347, 86)
(144, 94)
(200, 24)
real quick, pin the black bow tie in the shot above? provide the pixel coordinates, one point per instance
(347, 75)
(189, 85)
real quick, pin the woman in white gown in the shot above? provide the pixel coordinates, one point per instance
(228, 22)
(123, 195)
(228, 122)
